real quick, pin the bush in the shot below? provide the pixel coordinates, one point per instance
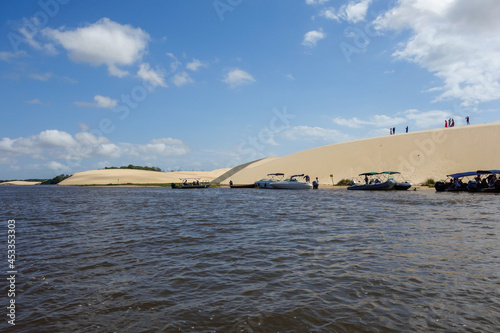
(55, 180)
(344, 182)
(135, 167)
(429, 182)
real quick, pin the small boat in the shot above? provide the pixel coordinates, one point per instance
(486, 181)
(373, 183)
(272, 178)
(455, 182)
(292, 184)
(401, 184)
(187, 183)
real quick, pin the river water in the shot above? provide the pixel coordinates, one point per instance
(144, 259)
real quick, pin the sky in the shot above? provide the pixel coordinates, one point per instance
(208, 84)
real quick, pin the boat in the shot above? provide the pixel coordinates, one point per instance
(373, 182)
(271, 178)
(401, 185)
(187, 183)
(486, 181)
(292, 184)
(455, 182)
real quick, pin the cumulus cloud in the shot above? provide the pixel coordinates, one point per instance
(315, 2)
(374, 121)
(158, 147)
(418, 119)
(195, 65)
(238, 77)
(153, 77)
(311, 38)
(181, 79)
(103, 43)
(99, 102)
(457, 40)
(353, 12)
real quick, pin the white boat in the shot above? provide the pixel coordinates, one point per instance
(373, 183)
(272, 178)
(292, 184)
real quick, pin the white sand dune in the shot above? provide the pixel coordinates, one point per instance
(19, 182)
(130, 176)
(418, 156)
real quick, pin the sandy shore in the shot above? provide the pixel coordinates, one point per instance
(19, 182)
(130, 176)
(418, 156)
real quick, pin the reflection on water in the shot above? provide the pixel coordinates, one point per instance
(248, 260)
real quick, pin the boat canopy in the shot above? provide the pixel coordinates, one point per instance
(391, 172)
(369, 174)
(487, 172)
(301, 175)
(462, 174)
(276, 174)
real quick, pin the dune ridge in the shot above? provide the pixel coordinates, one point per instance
(132, 176)
(417, 155)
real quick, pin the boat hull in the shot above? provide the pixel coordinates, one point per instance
(243, 186)
(385, 186)
(291, 185)
(402, 186)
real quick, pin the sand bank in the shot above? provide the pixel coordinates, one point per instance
(130, 176)
(19, 182)
(418, 156)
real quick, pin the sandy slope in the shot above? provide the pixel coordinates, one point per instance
(418, 156)
(124, 176)
(20, 182)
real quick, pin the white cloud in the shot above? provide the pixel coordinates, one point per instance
(158, 147)
(308, 133)
(457, 40)
(352, 12)
(290, 77)
(56, 166)
(181, 79)
(103, 43)
(374, 121)
(36, 101)
(175, 64)
(154, 78)
(316, 2)
(238, 77)
(195, 65)
(42, 77)
(429, 119)
(7, 56)
(311, 38)
(99, 102)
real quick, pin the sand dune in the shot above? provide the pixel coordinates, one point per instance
(126, 176)
(19, 182)
(417, 155)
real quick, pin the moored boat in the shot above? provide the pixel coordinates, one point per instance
(401, 185)
(186, 183)
(373, 182)
(272, 178)
(292, 184)
(472, 181)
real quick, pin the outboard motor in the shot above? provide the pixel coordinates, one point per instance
(440, 186)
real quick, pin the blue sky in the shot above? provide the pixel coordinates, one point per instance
(200, 85)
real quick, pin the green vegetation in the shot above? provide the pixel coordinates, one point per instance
(55, 180)
(344, 182)
(136, 167)
(429, 182)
